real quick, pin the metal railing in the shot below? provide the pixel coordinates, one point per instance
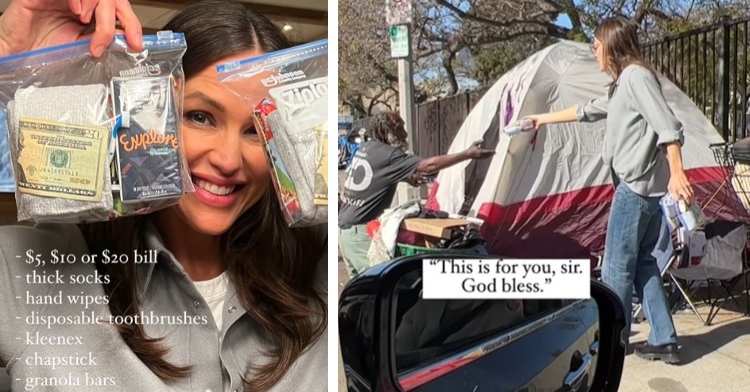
(709, 65)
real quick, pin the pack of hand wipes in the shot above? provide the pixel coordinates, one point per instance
(288, 91)
(63, 131)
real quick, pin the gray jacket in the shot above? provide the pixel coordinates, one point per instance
(96, 354)
(639, 125)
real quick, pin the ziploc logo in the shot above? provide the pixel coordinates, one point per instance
(143, 70)
(282, 78)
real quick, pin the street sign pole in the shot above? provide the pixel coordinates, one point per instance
(406, 95)
(398, 17)
(400, 36)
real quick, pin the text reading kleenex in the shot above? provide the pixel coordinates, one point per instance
(506, 278)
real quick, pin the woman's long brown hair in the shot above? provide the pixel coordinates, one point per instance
(271, 266)
(620, 47)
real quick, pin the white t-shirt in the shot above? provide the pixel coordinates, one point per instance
(214, 292)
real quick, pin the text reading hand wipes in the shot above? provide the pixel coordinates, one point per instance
(506, 278)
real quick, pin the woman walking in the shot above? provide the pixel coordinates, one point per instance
(643, 150)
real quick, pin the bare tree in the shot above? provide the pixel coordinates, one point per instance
(480, 39)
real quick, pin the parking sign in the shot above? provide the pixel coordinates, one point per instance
(400, 41)
(398, 12)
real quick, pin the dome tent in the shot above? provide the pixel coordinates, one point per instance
(548, 193)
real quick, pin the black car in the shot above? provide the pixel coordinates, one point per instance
(394, 340)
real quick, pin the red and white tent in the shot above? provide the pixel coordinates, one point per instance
(548, 193)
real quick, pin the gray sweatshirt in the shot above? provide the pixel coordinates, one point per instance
(639, 126)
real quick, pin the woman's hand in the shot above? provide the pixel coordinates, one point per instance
(34, 24)
(679, 187)
(536, 119)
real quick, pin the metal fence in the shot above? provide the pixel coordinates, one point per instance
(437, 122)
(708, 64)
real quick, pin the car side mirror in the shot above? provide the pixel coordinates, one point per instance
(392, 339)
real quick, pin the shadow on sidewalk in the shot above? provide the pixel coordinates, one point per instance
(695, 347)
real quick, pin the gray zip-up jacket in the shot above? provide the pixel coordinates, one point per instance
(639, 125)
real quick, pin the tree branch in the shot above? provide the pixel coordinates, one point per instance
(373, 102)
(357, 108)
(575, 17)
(448, 66)
(642, 11)
(478, 19)
(658, 14)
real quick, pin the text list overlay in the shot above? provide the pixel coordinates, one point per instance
(67, 316)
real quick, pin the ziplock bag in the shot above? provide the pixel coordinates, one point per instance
(678, 214)
(149, 165)
(288, 91)
(63, 132)
(58, 128)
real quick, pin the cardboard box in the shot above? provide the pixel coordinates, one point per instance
(439, 228)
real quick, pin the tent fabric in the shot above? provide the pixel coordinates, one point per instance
(548, 193)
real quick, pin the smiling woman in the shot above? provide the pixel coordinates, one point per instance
(245, 292)
(223, 150)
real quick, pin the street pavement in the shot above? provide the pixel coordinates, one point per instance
(715, 358)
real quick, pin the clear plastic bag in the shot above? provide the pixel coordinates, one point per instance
(62, 130)
(56, 102)
(150, 169)
(288, 90)
(679, 214)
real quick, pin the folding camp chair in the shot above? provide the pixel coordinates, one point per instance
(722, 268)
(734, 158)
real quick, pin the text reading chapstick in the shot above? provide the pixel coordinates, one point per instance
(506, 278)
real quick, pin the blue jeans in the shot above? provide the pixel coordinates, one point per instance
(633, 230)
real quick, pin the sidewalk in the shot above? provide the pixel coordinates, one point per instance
(714, 358)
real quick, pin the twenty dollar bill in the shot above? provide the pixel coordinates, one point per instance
(62, 160)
